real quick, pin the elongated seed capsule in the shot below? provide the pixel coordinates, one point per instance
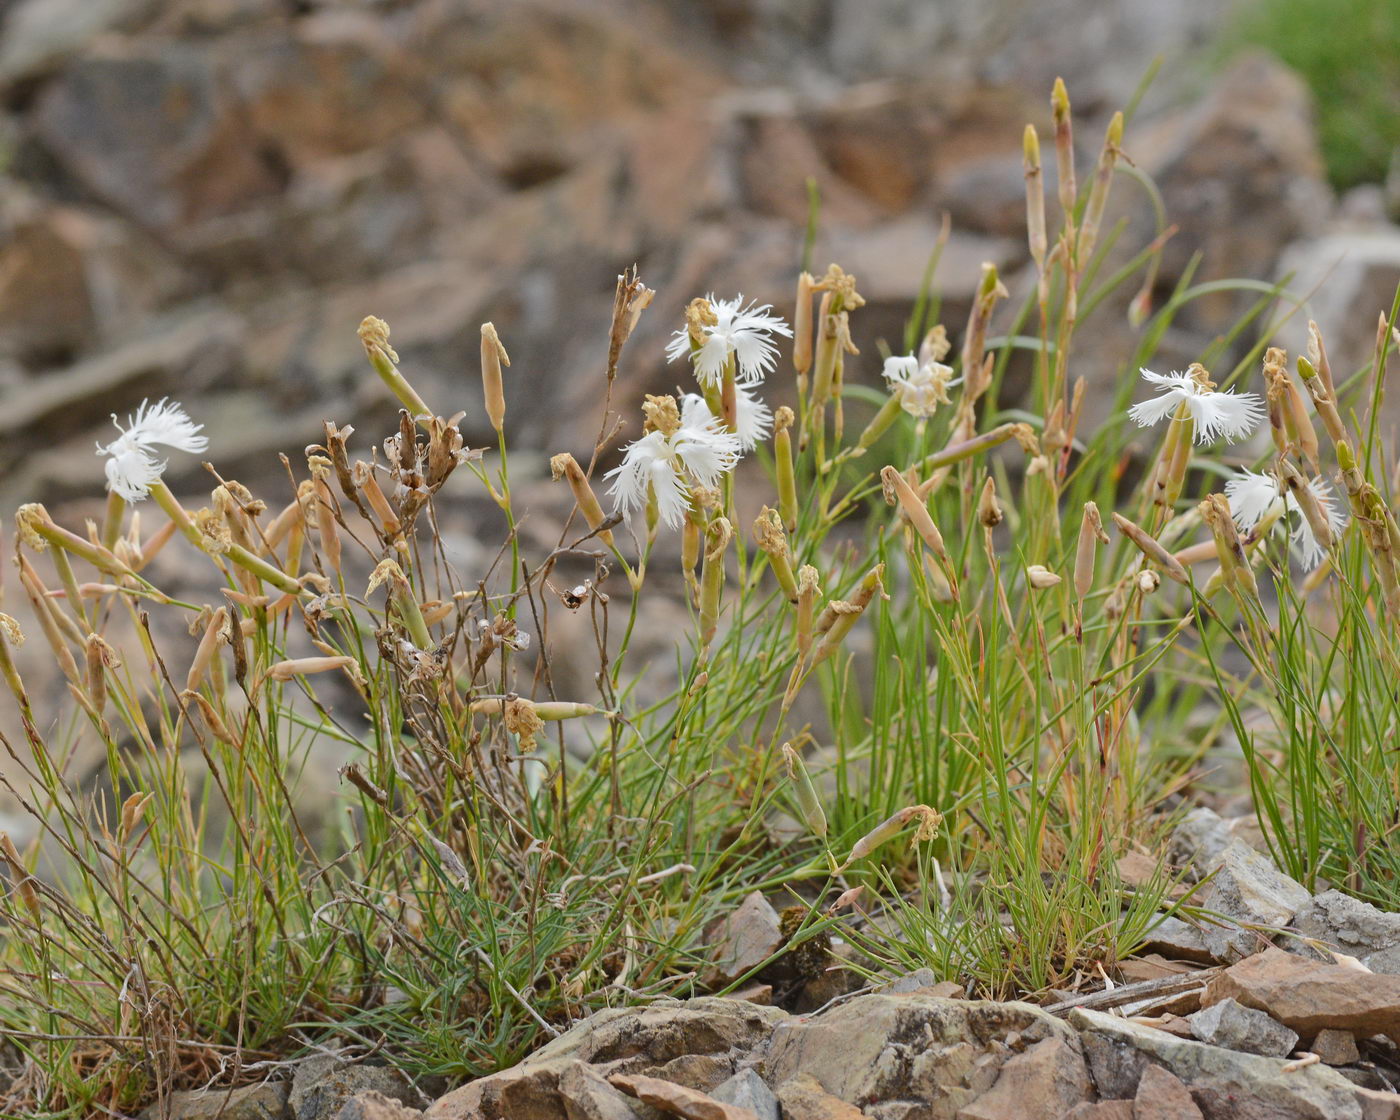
(1098, 190)
(807, 592)
(133, 809)
(808, 803)
(1234, 565)
(364, 479)
(1152, 549)
(566, 466)
(928, 819)
(374, 335)
(1313, 512)
(1064, 148)
(38, 530)
(24, 882)
(717, 536)
(769, 536)
(1317, 355)
(215, 630)
(783, 420)
(43, 611)
(1035, 196)
(961, 450)
(1322, 400)
(844, 613)
(882, 420)
(308, 666)
(1091, 535)
(692, 530)
(802, 326)
(99, 657)
(326, 529)
(916, 511)
(828, 347)
(546, 710)
(493, 356)
(976, 377)
(989, 511)
(1302, 424)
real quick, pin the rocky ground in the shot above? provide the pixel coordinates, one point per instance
(1282, 1006)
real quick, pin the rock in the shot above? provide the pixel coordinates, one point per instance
(267, 1101)
(154, 133)
(1042, 1083)
(1336, 1048)
(884, 1048)
(1351, 926)
(1225, 1084)
(588, 1096)
(1232, 1025)
(1178, 940)
(1310, 996)
(747, 1090)
(1102, 1110)
(373, 1105)
(677, 1100)
(803, 1098)
(645, 1040)
(1162, 1096)
(38, 35)
(1248, 888)
(742, 940)
(1243, 174)
(1199, 840)
(323, 1084)
(1345, 273)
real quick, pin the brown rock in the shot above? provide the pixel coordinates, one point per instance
(1102, 1110)
(901, 1047)
(588, 1096)
(743, 940)
(803, 1098)
(1309, 996)
(1336, 1048)
(622, 1040)
(677, 1100)
(1162, 1096)
(1043, 1083)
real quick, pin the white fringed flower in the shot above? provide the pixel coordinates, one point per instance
(1256, 497)
(753, 419)
(744, 332)
(1229, 415)
(922, 387)
(700, 451)
(132, 467)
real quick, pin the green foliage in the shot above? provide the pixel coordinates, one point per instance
(1348, 51)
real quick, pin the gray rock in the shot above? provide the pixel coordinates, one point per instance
(1225, 1084)
(1232, 1025)
(587, 1096)
(1178, 940)
(881, 1051)
(250, 1102)
(323, 1084)
(747, 1090)
(38, 35)
(1355, 928)
(1249, 889)
(1199, 840)
(368, 1104)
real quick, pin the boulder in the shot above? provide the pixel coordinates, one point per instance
(882, 1051)
(652, 1041)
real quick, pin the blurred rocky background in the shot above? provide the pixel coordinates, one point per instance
(203, 198)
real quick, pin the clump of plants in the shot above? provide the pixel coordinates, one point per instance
(947, 655)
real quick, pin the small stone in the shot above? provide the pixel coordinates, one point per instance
(1336, 1048)
(588, 1096)
(913, 982)
(803, 1098)
(747, 1090)
(1162, 1096)
(743, 940)
(1249, 888)
(1309, 996)
(1177, 940)
(1102, 1110)
(1232, 1025)
(250, 1102)
(754, 993)
(1042, 1083)
(691, 1104)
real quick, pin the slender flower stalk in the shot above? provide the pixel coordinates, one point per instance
(1152, 549)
